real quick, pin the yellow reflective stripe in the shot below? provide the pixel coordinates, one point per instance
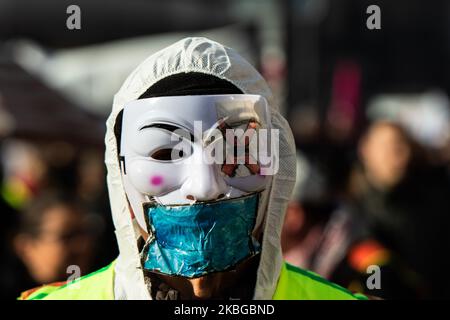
(38, 292)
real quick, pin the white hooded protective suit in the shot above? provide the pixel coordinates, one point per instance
(204, 56)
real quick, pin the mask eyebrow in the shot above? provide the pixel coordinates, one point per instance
(168, 127)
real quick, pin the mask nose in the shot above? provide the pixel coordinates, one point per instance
(203, 183)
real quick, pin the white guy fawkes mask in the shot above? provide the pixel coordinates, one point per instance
(170, 170)
(193, 169)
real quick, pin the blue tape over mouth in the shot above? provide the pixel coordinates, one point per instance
(194, 240)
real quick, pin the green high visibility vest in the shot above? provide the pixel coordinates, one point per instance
(98, 285)
(293, 284)
(298, 284)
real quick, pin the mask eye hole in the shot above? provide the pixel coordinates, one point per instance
(168, 154)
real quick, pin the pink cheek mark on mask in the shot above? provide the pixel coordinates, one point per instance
(156, 180)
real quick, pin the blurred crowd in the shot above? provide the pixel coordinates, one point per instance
(390, 210)
(371, 118)
(55, 214)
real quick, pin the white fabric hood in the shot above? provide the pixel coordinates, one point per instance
(209, 57)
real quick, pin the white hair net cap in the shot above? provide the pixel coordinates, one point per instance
(209, 57)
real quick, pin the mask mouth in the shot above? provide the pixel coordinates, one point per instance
(197, 239)
(172, 199)
(153, 202)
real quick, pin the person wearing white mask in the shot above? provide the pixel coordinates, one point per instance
(201, 166)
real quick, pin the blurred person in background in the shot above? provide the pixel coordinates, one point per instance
(54, 233)
(321, 234)
(35, 169)
(404, 202)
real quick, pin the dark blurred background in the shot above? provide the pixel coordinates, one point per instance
(369, 110)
